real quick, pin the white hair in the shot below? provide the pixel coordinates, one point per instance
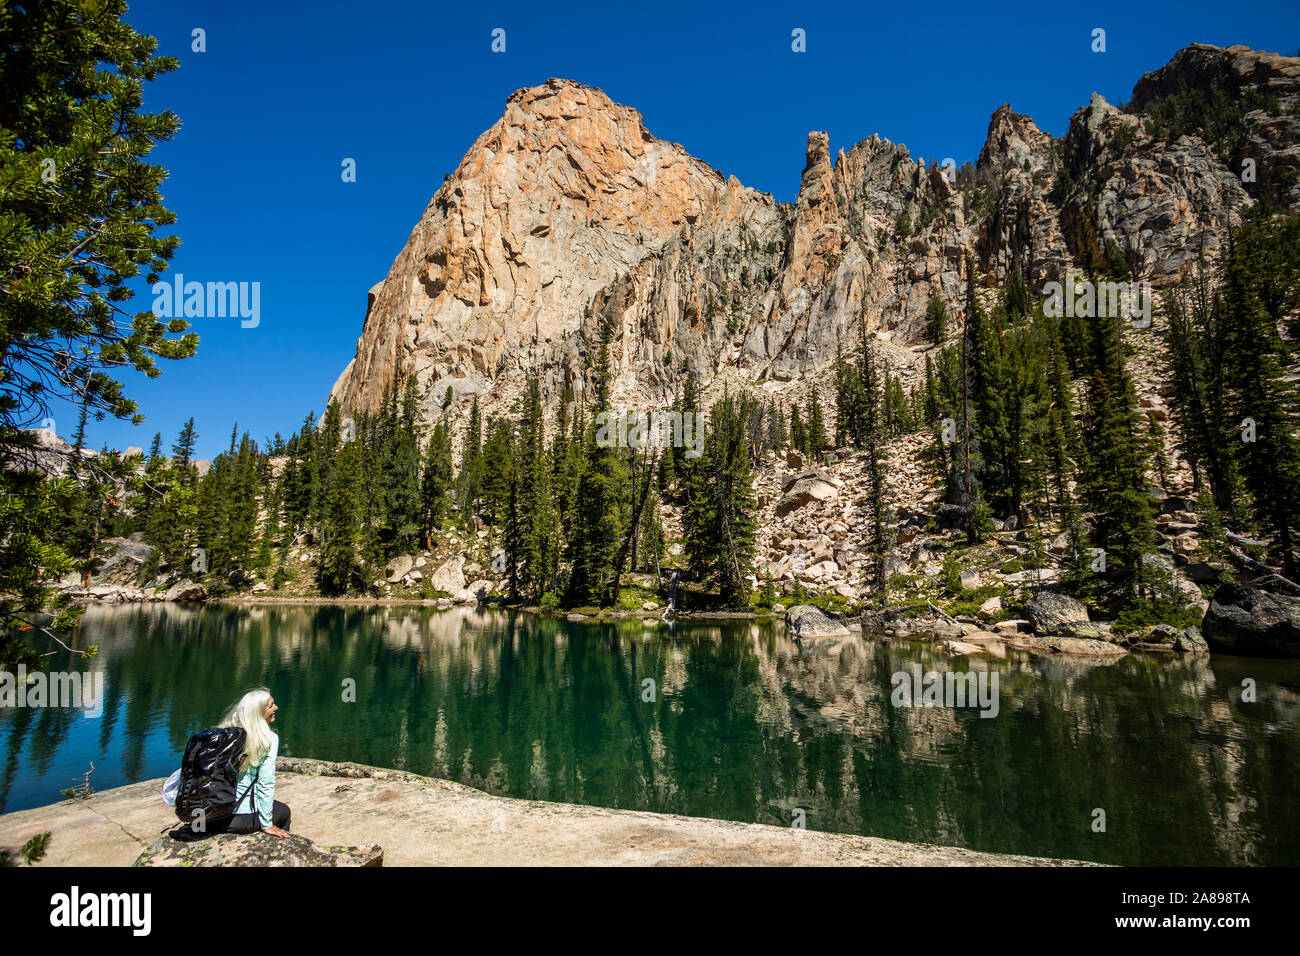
(249, 714)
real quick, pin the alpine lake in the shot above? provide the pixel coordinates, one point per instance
(725, 719)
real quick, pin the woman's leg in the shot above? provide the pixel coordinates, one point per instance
(280, 815)
(243, 823)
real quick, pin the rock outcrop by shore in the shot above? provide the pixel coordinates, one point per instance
(254, 849)
(421, 821)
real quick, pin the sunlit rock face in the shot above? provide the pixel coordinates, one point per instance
(567, 211)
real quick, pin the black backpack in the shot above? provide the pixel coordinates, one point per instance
(209, 772)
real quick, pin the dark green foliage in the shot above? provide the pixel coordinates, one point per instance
(1260, 290)
(873, 431)
(720, 520)
(469, 481)
(79, 210)
(403, 502)
(798, 433)
(340, 567)
(436, 482)
(849, 402)
(1114, 482)
(815, 430)
(936, 321)
(1216, 115)
(599, 514)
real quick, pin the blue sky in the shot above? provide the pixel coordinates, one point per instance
(285, 92)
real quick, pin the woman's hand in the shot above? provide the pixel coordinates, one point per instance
(276, 832)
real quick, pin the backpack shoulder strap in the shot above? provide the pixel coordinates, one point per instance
(251, 785)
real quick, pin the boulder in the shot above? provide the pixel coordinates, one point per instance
(399, 567)
(813, 474)
(1074, 646)
(970, 580)
(1191, 641)
(961, 649)
(1202, 573)
(261, 587)
(818, 571)
(807, 622)
(1155, 634)
(481, 589)
(990, 607)
(1189, 592)
(1253, 623)
(802, 491)
(950, 517)
(895, 565)
(186, 590)
(1050, 613)
(253, 849)
(1089, 631)
(1157, 561)
(126, 556)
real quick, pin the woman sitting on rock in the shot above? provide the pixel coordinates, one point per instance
(258, 809)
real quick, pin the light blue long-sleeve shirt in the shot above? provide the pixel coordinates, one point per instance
(262, 796)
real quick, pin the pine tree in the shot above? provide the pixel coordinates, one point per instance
(720, 520)
(873, 442)
(401, 474)
(1114, 482)
(815, 434)
(339, 565)
(599, 519)
(298, 476)
(534, 546)
(936, 321)
(973, 394)
(1196, 339)
(849, 401)
(497, 466)
(183, 449)
(1261, 289)
(436, 482)
(324, 449)
(471, 467)
(798, 434)
(777, 435)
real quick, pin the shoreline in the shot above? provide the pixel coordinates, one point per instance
(427, 821)
(930, 630)
(606, 614)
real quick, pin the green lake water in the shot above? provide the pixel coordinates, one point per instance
(712, 719)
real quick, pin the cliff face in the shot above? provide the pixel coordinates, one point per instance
(561, 198)
(567, 209)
